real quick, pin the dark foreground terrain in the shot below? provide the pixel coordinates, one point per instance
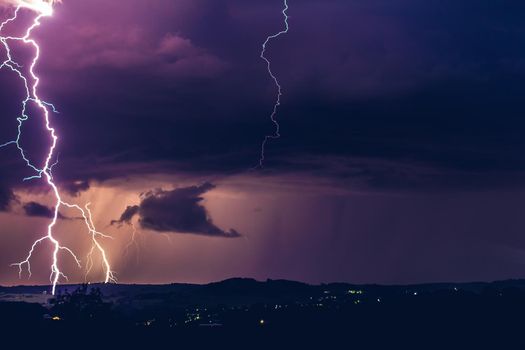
(243, 313)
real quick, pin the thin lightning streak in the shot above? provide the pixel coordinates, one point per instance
(89, 263)
(133, 240)
(44, 8)
(273, 116)
(168, 238)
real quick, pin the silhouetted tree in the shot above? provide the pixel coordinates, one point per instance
(83, 304)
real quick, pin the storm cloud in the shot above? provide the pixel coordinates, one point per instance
(6, 196)
(34, 209)
(38, 210)
(179, 210)
(402, 125)
(381, 89)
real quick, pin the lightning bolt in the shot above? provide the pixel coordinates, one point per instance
(44, 8)
(273, 116)
(133, 242)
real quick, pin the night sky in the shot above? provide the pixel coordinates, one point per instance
(401, 158)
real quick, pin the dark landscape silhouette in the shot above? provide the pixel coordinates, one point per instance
(275, 313)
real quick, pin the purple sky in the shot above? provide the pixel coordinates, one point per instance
(401, 157)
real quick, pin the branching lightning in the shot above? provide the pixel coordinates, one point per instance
(44, 8)
(273, 116)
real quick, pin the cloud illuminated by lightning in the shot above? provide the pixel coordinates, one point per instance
(273, 116)
(44, 8)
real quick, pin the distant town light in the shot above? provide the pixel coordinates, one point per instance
(351, 291)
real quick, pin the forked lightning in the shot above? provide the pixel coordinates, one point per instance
(44, 8)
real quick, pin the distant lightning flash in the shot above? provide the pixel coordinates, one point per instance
(273, 116)
(44, 8)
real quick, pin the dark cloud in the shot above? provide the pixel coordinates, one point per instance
(74, 187)
(179, 210)
(38, 210)
(35, 209)
(6, 196)
(127, 215)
